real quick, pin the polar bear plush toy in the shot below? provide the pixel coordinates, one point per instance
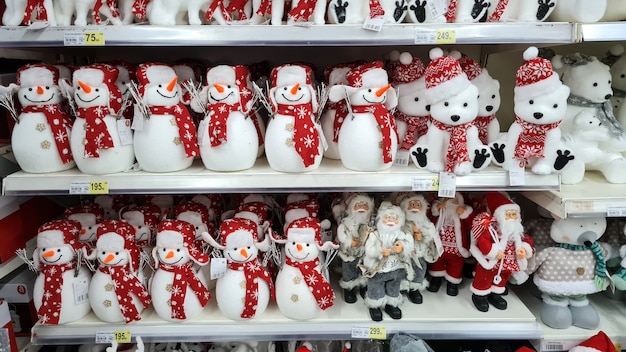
(564, 290)
(534, 138)
(616, 60)
(426, 11)
(520, 10)
(451, 143)
(583, 11)
(467, 11)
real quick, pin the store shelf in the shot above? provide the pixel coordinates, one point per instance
(265, 35)
(612, 313)
(607, 31)
(591, 197)
(439, 317)
(15, 262)
(330, 176)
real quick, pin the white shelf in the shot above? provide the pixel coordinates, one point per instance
(607, 31)
(591, 197)
(330, 176)
(266, 35)
(611, 313)
(439, 317)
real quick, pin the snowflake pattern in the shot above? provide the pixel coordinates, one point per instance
(386, 125)
(306, 138)
(186, 128)
(54, 116)
(253, 272)
(52, 300)
(97, 135)
(532, 140)
(126, 286)
(457, 152)
(320, 287)
(183, 280)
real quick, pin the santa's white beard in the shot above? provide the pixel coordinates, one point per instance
(385, 228)
(511, 229)
(419, 218)
(360, 217)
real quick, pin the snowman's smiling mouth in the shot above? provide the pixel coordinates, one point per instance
(87, 101)
(176, 262)
(112, 264)
(167, 96)
(52, 261)
(292, 100)
(238, 261)
(224, 98)
(291, 254)
(39, 101)
(375, 102)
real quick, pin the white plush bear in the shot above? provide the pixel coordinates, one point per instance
(426, 11)
(467, 11)
(616, 60)
(615, 11)
(301, 11)
(24, 12)
(534, 138)
(87, 9)
(583, 11)
(346, 12)
(569, 271)
(451, 143)
(173, 12)
(521, 10)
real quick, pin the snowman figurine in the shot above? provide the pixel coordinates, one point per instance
(40, 138)
(292, 139)
(228, 137)
(368, 139)
(302, 291)
(178, 289)
(116, 293)
(245, 289)
(166, 140)
(145, 219)
(89, 215)
(112, 204)
(126, 74)
(57, 295)
(95, 140)
(334, 113)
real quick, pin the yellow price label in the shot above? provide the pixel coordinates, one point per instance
(98, 187)
(618, 346)
(378, 333)
(94, 38)
(121, 336)
(434, 183)
(445, 36)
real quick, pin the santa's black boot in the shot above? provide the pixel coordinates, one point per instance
(376, 314)
(394, 312)
(363, 291)
(434, 284)
(452, 289)
(497, 301)
(349, 295)
(415, 296)
(480, 302)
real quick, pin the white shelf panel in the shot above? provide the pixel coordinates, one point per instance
(591, 197)
(439, 317)
(330, 176)
(612, 321)
(266, 35)
(607, 31)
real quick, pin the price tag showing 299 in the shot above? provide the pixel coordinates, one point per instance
(369, 332)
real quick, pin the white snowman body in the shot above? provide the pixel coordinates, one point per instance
(70, 309)
(293, 295)
(279, 149)
(327, 120)
(195, 219)
(32, 139)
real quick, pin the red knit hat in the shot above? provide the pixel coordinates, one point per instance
(305, 230)
(535, 77)
(471, 68)
(86, 208)
(193, 210)
(406, 69)
(58, 233)
(599, 342)
(118, 235)
(150, 214)
(180, 234)
(233, 75)
(257, 208)
(444, 77)
(98, 74)
(235, 231)
(37, 75)
(368, 75)
(301, 209)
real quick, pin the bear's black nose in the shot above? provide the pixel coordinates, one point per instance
(538, 115)
(608, 96)
(489, 108)
(455, 118)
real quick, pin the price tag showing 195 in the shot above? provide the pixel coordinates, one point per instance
(119, 336)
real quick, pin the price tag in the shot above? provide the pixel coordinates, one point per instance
(402, 158)
(374, 24)
(137, 119)
(437, 8)
(104, 336)
(425, 37)
(81, 291)
(445, 36)
(123, 129)
(81, 187)
(517, 173)
(218, 268)
(202, 131)
(121, 336)
(98, 187)
(447, 185)
(369, 332)
(94, 38)
(585, 206)
(424, 183)
(616, 211)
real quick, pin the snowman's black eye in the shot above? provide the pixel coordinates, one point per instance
(59, 250)
(97, 89)
(369, 90)
(493, 96)
(285, 88)
(555, 106)
(164, 249)
(595, 84)
(417, 99)
(178, 250)
(103, 252)
(531, 102)
(31, 89)
(446, 104)
(160, 85)
(117, 253)
(464, 105)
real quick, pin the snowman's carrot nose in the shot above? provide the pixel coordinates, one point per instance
(83, 231)
(382, 90)
(85, 87)
(299, 247)
(172, 84)
(219, 88)
(48, 254)
(169, 255)
(243, 253)
(294, 89)
(109, 258)
(39, 90)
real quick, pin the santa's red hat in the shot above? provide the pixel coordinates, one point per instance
(535, 77)
(368, 75)
(59, 233)
(95, 210)
(238, 76)
(37, 75)
(180, 234)
(192, 212)
(498, 203)
(444, 77)
(237, 232)
(118, 235)
(406, 69)
(96, 75)
(599, 342)
(154, 73)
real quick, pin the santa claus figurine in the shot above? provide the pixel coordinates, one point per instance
(387, 262)
(500, 247)
(449, 214)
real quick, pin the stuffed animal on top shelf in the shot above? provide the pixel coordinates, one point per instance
(170, 12)
(26, 12)
(578, 11)
(335, 113)
(616, 60)
(426, 11)
(521, 10)
(467, 11)
(299, 11)
(615, 11)
(451, 143)
(85, 10)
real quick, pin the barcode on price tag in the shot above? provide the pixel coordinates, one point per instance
(422, 183)
(369, 332)
(447, 185)
(425, 37)
(104, 336)
(402, 158)
(79, 187)
(374, 24)
(553, 346)
(81, 291)
(218, 268)
(616, 211)
(73, 39)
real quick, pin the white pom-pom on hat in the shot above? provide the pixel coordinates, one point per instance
(617, 50)
(435, 53)
(456, 54)
(394, 55)
(406, 58)
(531, 53)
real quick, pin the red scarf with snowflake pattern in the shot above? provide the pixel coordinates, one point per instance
(482, 124)
(303, 10)
(112, 6)
(219, 113)
(208, 15)
(236, 6)
(253, 271)
(184, 276)
(414, 124)
(139, 9)
(496, 16)
(341, 112)
(97, 135)
(320, 287)
(531, 142)
(451, 14)
(59, 122)
(126, 285)
(265, 8)
(35, 5)
(376, 8)
(50, 310)
(386, 123)
(186, 128)
(306, 137)
(457, 152)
